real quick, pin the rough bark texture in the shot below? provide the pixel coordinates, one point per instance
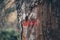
(46, 12)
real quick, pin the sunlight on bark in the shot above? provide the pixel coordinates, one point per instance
(9, 4)
(12, 16)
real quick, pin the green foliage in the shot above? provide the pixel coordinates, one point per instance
(9, 35)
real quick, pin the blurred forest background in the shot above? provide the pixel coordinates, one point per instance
(8, 14)
(48, 13)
